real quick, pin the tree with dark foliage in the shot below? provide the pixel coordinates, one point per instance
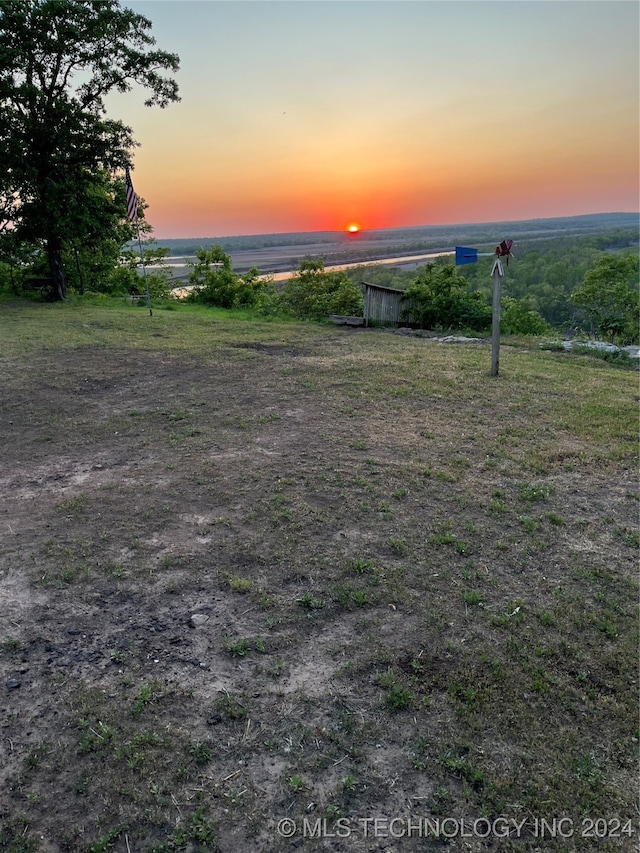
(60, 155)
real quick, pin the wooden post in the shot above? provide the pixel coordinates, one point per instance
(497, 273)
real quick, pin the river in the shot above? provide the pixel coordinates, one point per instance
(405, 262)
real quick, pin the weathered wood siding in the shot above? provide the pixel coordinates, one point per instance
(382, 305)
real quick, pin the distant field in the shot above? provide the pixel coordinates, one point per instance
(263, 584)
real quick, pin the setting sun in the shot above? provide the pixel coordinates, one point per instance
(353, 229)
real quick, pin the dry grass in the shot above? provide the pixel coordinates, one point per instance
(414, 587)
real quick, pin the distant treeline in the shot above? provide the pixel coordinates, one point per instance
(416, 239)
(190, 245)
(543, 273)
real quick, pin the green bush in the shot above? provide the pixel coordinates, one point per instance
(518, 318)
(159, 284)
(123, 280)
(618, 357)
(5, 276)
(215, 287)
(439, 298)
(252, 290)
(609, 298)
(270, 302)
(215, 283)
(314, 294)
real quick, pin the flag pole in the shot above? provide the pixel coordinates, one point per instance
(132, 213)
(144, 272)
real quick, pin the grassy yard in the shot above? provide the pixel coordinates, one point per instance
(269, 586)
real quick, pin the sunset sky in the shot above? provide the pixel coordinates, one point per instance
(313, 115)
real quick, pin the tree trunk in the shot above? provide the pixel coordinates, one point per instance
(57, 272)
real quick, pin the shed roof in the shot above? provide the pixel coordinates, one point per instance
(382, 287)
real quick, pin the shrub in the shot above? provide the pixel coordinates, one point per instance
(618, 357)
(314, 294)
(608, 297)
(215, 283)
(518, 318)
(254, 291)
(123, 280)
(439, 298)
(6, 282)
(212, 278)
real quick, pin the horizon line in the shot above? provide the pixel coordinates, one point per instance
(411, 227)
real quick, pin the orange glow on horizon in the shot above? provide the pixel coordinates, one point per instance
(275, 152)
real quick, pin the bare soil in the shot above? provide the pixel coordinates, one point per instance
(313, 575)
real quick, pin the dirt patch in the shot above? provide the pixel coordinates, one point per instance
(336, 581)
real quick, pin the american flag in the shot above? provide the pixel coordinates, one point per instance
(132, 198)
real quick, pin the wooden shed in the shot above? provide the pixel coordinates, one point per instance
(382, 305)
